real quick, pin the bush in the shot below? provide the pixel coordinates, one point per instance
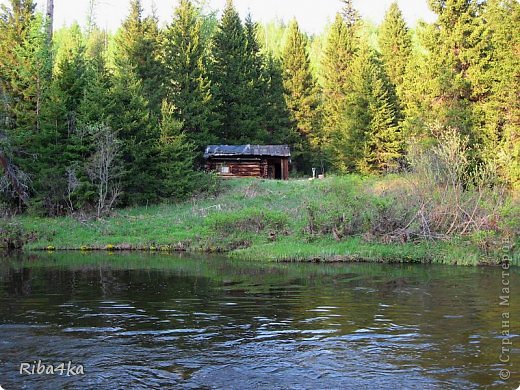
(449, 194)
(249, 220)
(12, 235)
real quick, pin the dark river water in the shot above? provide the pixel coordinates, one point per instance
(159, 321)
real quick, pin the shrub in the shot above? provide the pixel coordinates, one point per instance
(12, 235)
(250, 220)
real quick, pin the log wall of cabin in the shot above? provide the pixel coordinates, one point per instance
(285, 169)
(246, 168)
(259, 167)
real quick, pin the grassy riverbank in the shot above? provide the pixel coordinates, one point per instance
(338, 219)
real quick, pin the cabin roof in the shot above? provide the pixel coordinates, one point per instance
(247, 150)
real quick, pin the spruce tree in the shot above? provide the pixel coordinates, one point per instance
(188, 88)
(137, 46)
(131, 116)
(131, 119)
(451, 45)
(301, 95)
(276, 115)
(229, 73)
(68, 149)
(370, 140)
(496, 87)
(337, 73)
(383, 146)
(151, 70)
(256, 85)
(396, 45)
(25, 74)
(176, 157)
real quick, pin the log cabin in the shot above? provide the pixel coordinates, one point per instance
(262, 161)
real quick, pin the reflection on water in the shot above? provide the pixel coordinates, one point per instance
(157, 321)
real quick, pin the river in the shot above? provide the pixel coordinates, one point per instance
(131, 321)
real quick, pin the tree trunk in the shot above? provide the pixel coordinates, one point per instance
(50, 19)
(11, 176)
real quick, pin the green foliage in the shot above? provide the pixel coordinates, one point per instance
(495, 88)
(337, 81)
(176, 155)
(137, 47)
(131, 119)
(231, 70)
(250, 220)
(301, 95)
(369, 139)
(12, 235)
(275, 120)
(188, 86)
(395, 43)
(354, 219)
(346, 98)
(131, 114)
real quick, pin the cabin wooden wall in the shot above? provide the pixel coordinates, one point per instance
(248, 168)
(285, 169)
(237, 168)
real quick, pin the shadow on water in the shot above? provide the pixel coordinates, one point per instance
(159, 320)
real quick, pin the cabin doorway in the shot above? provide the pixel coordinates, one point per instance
(278, 170)
(275, 169)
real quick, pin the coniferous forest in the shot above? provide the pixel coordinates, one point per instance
(91, 120)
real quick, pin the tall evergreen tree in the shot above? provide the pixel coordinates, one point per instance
(494, 75)
(176, 157)
(349, 13)
(16, 21)
(257, 87)
(301, 95)
(276, 115)
(230, 69)
(151, 71)
(131, 119)
(188, 87)
(131, 116)
(369, 141)
(450, 44)
(337, 74)
(395, 43)
(25, 73)
(67, 149)
(137, 46)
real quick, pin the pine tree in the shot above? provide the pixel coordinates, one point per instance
(176, 157)
(256, 85)
(188, 87)
(25, 73)
(229, 70)
(301, 95)
(383, 146)
(349, 13)
(451, 43)
(66, 148)
(369, 141)
(336, 64)
(396, 45)
(137, 46)
(496, 87)
(152, 70)
(131, 119)
(276, 115)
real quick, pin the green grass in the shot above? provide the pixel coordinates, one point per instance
(260, 220)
